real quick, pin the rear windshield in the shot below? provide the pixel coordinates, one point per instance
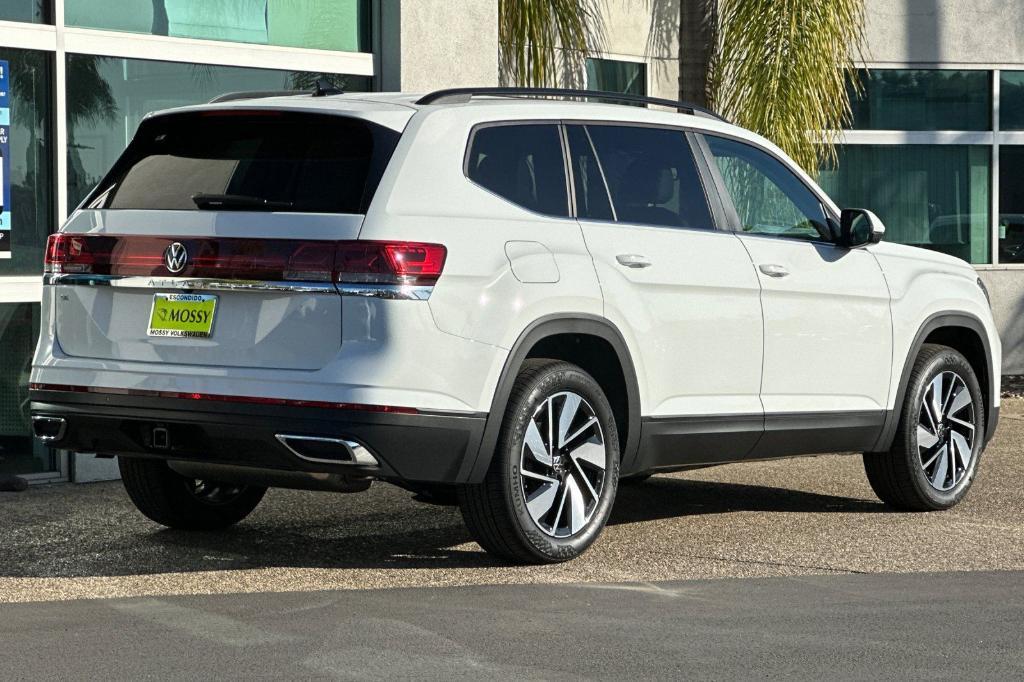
(249, 161)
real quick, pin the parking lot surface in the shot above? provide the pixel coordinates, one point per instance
(813, 515)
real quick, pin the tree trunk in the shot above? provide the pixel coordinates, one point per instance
(697, 21)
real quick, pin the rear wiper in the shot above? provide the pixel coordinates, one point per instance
(235, 202)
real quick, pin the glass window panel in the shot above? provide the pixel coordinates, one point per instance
(319, 24)
(1011, 204)
(522, 163)
(768, 196)
(591, 192)
(32, 11)
(611, 75)
(20, 453)
(1011, 100)
(917, 99)
(651, 175)
(935, 197)
(29, 161)
(108, 97)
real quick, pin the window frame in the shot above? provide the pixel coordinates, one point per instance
(566, 170)
(716, 207)
(831, 217)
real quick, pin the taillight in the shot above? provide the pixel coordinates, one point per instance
(412, 263)
(68, 253)
(362, 262)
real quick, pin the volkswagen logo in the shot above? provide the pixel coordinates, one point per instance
(175, 257)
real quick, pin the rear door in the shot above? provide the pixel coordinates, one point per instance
(682, 290)
(828, 330)
(226, 219)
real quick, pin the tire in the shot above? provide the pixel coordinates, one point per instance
(184, 503)
(917, 474)
(518, 516)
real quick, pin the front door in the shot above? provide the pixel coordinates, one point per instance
(827, 324)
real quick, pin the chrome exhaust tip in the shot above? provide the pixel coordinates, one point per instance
(328, 450)
(49, 429)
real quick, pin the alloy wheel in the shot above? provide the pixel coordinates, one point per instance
(946, 431)
(562, 464)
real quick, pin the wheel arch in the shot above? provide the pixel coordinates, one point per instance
(553, 336)
(964, 333)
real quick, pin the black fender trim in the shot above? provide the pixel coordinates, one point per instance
(537, 331)
(938, 321)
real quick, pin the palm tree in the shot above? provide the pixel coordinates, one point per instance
(543, 42)
(782, 68)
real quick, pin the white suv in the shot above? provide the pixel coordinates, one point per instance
(494, 300)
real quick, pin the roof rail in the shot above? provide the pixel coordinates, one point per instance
(463, 95)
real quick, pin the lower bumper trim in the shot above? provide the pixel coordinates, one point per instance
(420, 447)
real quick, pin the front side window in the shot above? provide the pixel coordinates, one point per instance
(522, 163)
(769, 198)
(651, 176)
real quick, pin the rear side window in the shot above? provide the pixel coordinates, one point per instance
(252, 161)
(651, 175)
(522, 163)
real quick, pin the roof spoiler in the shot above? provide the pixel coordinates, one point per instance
(322, 88)
(463, 95)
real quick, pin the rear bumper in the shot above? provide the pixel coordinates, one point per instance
(423, 447)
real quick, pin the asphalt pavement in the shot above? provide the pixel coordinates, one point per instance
(760, 569)
(890, 626)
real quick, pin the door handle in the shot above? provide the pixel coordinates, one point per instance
(773, 270)
(633, 260)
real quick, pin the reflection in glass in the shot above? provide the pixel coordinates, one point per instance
(318, 24)
(20, 453)
(1011, 100)
(32, 11)
(31, 159)
(108, 97)
(916, 99)
(612, 75)
(1011, 204)
(935, 197)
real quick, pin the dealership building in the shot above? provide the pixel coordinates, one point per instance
(936, 145)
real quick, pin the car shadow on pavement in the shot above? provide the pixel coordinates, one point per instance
(297, 531)
(659, 498)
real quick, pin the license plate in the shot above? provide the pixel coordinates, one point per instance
(182, 315)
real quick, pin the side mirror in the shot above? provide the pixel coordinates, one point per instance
(859, 227)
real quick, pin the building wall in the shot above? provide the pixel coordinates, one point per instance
(945, 31)
(645, 31)
(431, 44)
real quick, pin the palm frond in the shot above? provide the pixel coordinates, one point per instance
(541, 38)
(781, 69)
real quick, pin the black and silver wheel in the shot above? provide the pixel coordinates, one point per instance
(184, 502)
(939, 438)
(552, 481)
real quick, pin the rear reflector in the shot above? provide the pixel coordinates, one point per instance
(377, 262)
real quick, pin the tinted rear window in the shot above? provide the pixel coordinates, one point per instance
(273, 161)
(522, 163)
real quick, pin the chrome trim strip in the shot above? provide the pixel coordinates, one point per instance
(188, 283)
(407, 292)
(359, 455)
(61, 430)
